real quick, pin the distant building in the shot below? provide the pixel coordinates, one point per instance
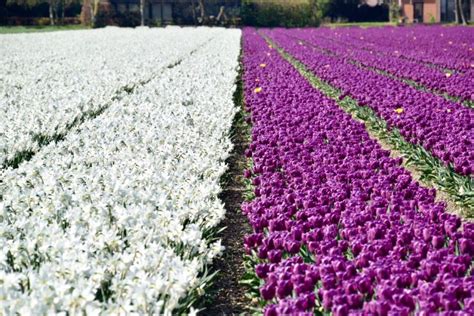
(172, 11)
(433, 11)
(154, 9)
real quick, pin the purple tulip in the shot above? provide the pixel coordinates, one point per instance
(247, 174)
(284, 288)
(438, 241)
(340, 310)
(262, 270)
(268, 292)
(334, 214)
(421, 112)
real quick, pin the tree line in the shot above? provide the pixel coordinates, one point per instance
(252, 12)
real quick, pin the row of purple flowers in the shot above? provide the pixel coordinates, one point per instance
(444, 128)
(338, 224)
(448, 48)
(457, 84)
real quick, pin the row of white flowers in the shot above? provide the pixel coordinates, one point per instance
(49, 81)
(114, 218)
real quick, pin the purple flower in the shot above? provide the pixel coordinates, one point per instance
(333, 210)
(284, 288)
(262, 270)
(438, 241)
(268, 292)
(247, 174)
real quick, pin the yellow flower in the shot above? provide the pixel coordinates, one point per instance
(257, 90)
(448, 110)
(263, 65)
(270, 46)
(399, 110)
(448, 74)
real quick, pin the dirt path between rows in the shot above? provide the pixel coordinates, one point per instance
(227, 295)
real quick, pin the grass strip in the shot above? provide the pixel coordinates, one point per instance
(39, 29)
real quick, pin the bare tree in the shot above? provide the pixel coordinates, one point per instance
(95, 11)
(203, 11)
(86, 13)
(461, 12)
(63, 8)
(459, 15)
(51, 12)
(221, 15)
(193, 4)
(142, 12)
(318, 7)
(456, 11)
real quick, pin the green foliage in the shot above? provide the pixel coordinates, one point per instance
(432, 19)
(319, 9)
(353, 11)
(394, 11)
(34, 29)
(274, 15)
(37, 12)
(3, 12)
(127, 19)
(27, 3)
(101, 19)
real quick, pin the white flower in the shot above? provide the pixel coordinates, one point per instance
(111, 219)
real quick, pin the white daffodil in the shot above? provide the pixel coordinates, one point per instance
(111, 219)
(50, 88)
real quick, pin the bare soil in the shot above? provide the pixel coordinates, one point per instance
(227, 296)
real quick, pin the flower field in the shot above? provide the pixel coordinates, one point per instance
(339, 225)
(118, 215)
(73, 76)
(341, 161)
(373, 51)
(445, 128)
